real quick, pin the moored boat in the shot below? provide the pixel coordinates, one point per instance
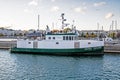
(59, 43)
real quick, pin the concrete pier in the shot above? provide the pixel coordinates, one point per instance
(112, 48)
(7, 44)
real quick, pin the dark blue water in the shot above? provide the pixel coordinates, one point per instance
(38, 67)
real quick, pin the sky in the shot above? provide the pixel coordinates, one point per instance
(87, 14)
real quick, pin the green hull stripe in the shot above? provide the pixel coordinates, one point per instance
(56, 51)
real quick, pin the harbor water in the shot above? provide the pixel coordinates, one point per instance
(44, 67)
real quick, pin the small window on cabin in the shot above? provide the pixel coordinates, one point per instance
(63, 37)
(53, 37)
(49, 37)
(72, 38)
(66, 37)
(69, 37)
(29, 42)
(57, 42)
(89, 42)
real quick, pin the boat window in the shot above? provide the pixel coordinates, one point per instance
(53, 37)
(63, 37)
(69, 37)
(66, 37)
(89, 42)
(29, 42)
(72, 38)
(57, 42)
(49, 37)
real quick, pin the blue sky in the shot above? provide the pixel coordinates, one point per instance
(22, 14)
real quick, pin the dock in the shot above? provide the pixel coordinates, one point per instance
(7, 44)
(112, 48)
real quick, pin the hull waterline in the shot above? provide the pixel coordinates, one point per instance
(77, 51)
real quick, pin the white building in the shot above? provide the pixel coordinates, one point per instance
(6, 32)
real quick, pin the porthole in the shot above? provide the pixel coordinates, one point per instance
(49, 37)
(57, 42)
(89, 42)
(53, 37)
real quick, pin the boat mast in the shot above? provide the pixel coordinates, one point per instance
(116, 25)
(98, 29)
(112, 26)
(63, 19)
(38, 21)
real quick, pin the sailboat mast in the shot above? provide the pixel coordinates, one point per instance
(116, 25)
(38, 21)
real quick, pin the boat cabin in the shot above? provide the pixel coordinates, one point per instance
(67, 36)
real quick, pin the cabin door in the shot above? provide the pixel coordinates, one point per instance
(76, 45)
(35, 44)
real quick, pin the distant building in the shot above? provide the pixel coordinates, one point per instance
(6, 32)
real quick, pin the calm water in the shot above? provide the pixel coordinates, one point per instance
(38, 67)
